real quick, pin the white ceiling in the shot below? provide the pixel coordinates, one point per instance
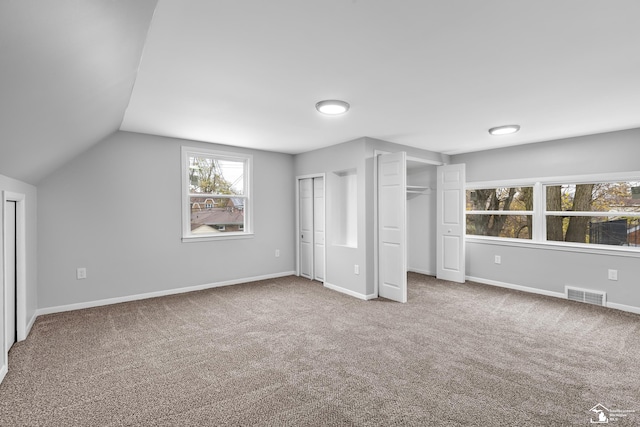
(431, 74)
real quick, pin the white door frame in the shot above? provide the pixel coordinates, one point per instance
(377, 153)
(324, 195)
(21, 266)
(21, 269)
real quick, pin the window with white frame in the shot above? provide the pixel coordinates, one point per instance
(583, 212)
(601, 213)
(500, 212)
(216, 193)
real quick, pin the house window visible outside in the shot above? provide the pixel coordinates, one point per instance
(500, 212)
(583, 213)
(216, 194)
(603, 213)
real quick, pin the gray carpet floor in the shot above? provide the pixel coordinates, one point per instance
(288, 352)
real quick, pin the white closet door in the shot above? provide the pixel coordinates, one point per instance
(392, 226)
(318, 229)
(306, 227)
(451, 223)
(10, 274)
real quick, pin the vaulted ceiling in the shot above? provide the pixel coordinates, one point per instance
(431, 74)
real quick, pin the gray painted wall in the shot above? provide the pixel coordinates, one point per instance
(421, 222)
(116, 210)
(31, 235)
(359, 155)
(340, 260)
(549, 269)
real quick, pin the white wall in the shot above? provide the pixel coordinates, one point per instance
(116, 210)
(31, 206)
(548, 270)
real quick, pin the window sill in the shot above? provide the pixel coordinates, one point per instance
(557, 246)
(226, 236)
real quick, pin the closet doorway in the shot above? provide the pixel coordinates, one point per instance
(311, 254)
(412, 233)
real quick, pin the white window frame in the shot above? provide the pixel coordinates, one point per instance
(481, 186)
(247, 159)
(540, 213)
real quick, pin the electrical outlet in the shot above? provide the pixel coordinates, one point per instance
(277, 253)
(613, 274)
(81, 273)
(356, 269)
(498, 259)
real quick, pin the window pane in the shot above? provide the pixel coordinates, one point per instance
(596, 197)
(209, 175)
(594, 230)
(216, 214)
(500, 199)
(512, 226)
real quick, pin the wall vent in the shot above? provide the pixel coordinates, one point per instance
(587, 296)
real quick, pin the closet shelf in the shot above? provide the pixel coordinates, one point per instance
(418, 189)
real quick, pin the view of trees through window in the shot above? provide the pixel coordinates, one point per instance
(575, 210)
(216, 194)
(596, 213)
(514, 220)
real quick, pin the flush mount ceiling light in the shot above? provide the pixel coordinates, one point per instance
(504, 130)
(332, 107)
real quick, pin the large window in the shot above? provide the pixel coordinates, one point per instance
(604, 213)
(577, 212)
(500, 212)
(216, 194)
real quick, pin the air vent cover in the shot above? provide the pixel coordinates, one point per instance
(587, 296)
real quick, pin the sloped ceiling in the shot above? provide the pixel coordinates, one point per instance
(67, 68)
(432, 74)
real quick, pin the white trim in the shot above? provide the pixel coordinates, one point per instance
(617, 251)
(517, 287)
(633, 214)
(569, 179)
(3, 371)
(175, 291)
(500, 212)
(247, 159)
(613, 305)
(222, 236)
(349, 292)
(629, 308)
(30, 323)
(21, 260)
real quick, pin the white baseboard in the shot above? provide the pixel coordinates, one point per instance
(128, 298)
(349, 292)
(30, 324)
(622, 307)
(517, 287)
